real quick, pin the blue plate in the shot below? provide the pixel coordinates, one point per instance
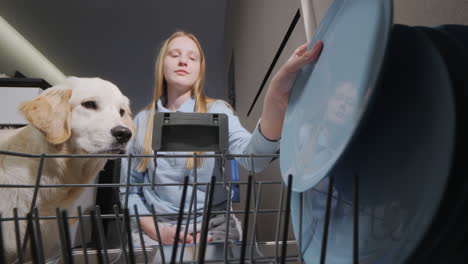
(329, 98)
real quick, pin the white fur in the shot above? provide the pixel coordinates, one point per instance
(88, 133)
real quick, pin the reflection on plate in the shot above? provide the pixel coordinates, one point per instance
(328, 99)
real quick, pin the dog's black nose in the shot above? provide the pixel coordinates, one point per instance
(122, 134)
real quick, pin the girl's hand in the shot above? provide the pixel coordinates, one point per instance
(284, 78)
(300, 57)
(167, 232)
(277, 97)
(168, 235)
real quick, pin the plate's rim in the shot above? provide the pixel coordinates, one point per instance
(335, 9)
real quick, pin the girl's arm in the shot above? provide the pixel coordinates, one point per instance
(277, 96)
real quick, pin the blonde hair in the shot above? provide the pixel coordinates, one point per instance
(160, 89)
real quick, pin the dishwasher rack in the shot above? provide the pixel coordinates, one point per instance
(249, 249)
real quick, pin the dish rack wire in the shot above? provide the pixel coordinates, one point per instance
(247, 250)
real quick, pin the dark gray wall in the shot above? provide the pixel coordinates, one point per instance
(254, 31)
(118, 40)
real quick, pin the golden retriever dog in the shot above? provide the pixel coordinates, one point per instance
(79, 116)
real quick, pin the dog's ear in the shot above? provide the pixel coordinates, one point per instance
(50, 113)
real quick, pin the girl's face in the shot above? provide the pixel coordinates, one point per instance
(181, 64)
(342, 105)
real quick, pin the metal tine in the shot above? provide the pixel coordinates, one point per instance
(326, 224)
(205, 202)
(66, 228)
(257, 205)
(286, 220)
(228, 217)
(205, 207)
(34, 251)
(129, 236)
(246, 220)
(142, 240)
(119, 232)
(195, 211)
(19, 249)
(63, 244)
(252, 171)
(188, 223)
(2, 249)
(82, 235)
(101, 235)
(34, 198)
(37, 229)
(127, 183)
(356, 220)
(158, 233)
(95, 231)
(226, 184)
(179, 220)
(204, 231)
(155, 162)
(301, 204)
(278, 223)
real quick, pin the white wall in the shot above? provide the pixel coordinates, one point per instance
(10, 99)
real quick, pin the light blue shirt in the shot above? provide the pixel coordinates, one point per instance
(166, 199)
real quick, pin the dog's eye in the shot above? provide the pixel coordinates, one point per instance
(89, 105)
(122, 112)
